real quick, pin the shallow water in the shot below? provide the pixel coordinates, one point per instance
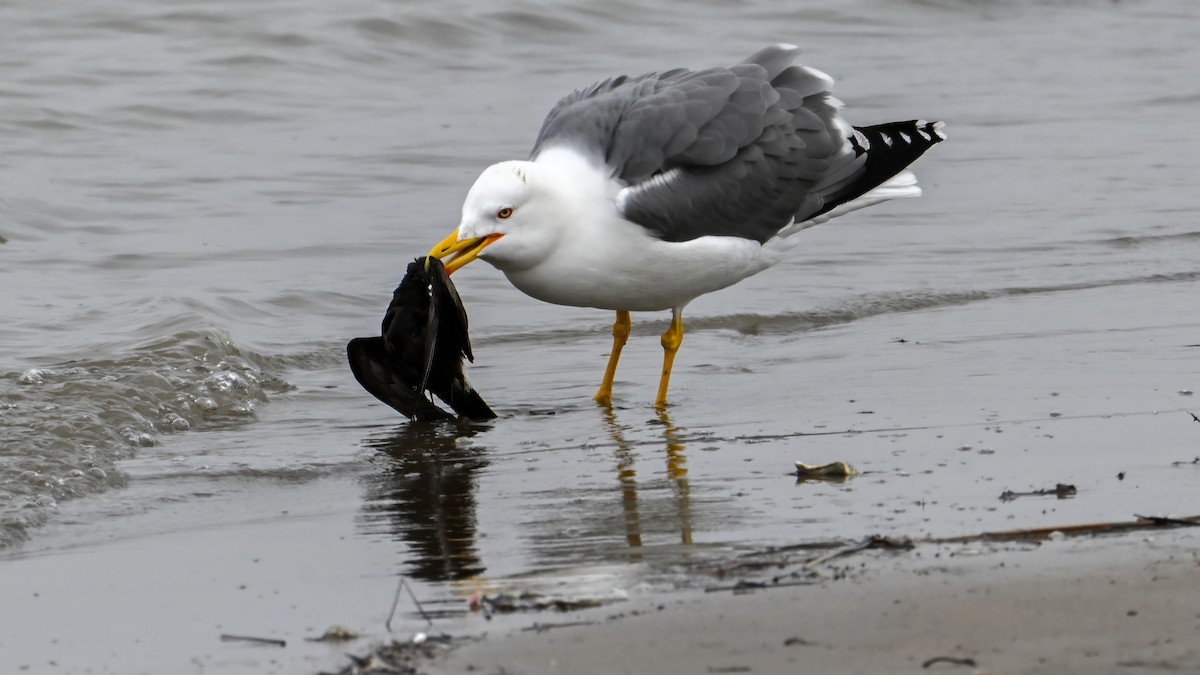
(200, 203)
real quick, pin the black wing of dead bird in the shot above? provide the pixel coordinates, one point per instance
(447, 331)
(372, 367)
(388, 366)
(423, 342)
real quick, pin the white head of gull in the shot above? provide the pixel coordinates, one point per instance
(644, 193)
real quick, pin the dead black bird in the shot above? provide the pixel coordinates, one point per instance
(421, 349)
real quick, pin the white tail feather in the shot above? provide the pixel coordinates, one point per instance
(902, 185)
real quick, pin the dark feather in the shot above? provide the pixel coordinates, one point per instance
(424, 339)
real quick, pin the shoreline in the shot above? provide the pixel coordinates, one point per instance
(1126, 602)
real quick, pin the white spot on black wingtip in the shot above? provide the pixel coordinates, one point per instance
(933, 128)
(856, 143)
(905, 137)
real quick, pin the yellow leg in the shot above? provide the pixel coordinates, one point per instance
(670, 342)
(620, 335)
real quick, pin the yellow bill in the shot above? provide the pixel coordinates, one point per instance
(455, 253)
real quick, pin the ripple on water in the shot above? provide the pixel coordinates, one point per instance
(65, 427)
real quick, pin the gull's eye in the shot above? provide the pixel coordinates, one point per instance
(504, 213)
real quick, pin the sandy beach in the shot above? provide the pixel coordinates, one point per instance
(1128, 603)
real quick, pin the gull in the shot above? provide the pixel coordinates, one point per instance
(644, 193)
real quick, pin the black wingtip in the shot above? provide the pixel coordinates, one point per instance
(889, 149)
(893, 146)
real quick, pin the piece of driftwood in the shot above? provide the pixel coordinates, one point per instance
(1038, 533)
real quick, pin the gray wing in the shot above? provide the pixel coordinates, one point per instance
(740, 151)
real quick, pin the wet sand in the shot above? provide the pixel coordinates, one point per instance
(1127, 603)
(160, 602)
(147, 578)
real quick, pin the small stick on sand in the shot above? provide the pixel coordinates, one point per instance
(396, 600)
(970, 663)
(226, 637)
(1060, 490)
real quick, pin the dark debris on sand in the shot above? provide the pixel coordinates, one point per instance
(398, 657)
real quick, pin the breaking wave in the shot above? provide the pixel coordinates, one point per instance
(64, 428)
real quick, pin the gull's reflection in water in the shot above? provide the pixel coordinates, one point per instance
(424, 495)
(677, 476)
